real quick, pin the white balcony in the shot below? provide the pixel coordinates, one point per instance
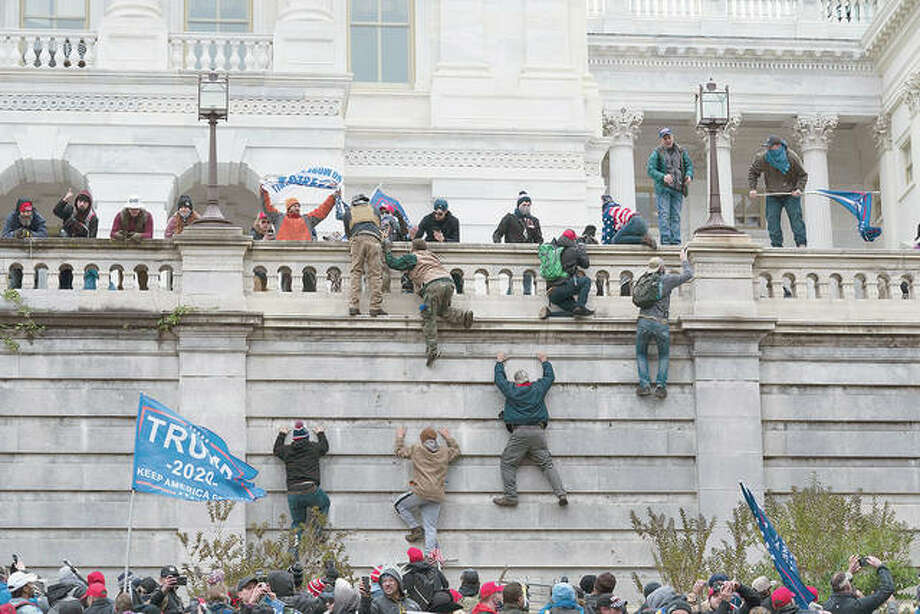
(47, 49)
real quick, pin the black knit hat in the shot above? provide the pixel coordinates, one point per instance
(523, 197)
(184, 201)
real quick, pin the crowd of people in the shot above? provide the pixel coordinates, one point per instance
(418, 584)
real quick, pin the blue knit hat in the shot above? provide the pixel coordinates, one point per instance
(440, 203)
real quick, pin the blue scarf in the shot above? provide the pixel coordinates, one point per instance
(778, 159)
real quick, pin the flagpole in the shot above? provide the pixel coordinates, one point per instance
(128, 546)
(816, 192)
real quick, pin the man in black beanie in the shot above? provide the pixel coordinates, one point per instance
(301, 465)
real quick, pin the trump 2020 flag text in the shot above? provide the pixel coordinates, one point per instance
(783, 560)
(176, 458)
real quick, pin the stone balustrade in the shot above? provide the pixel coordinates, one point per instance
(496, 280)
(858, 12)
(47, 49)
(221, 52)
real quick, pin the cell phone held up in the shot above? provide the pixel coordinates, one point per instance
(366, 583)
(863, 560)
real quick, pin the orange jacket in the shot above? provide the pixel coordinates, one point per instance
(295, 227)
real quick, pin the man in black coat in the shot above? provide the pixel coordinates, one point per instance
(843, 600)
(519, 226)
(165, 597)
(570, 293)
(301, 464)
(440, 225)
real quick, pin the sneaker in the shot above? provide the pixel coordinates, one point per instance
(582, 311)
(544, 313)
(354, 311)
(377, 312)
(433, 355)
(661, 392)
(649, 241)
(415, 535)
(563, 500)
(643, 391)
(467, 319)
(504, 501)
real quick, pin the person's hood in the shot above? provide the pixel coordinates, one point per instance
(661, 596)
(69, 606)
(346, 597)
(85, 194)
(282, 583)
(394, 573)
(563, 592)
(562, 241)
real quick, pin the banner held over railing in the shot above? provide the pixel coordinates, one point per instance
(176, 458)
(298, 184)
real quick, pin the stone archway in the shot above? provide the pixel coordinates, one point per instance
(42, 181)
(238, 191)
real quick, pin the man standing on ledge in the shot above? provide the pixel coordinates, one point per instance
(301, 465)
(525, 417)
(785, 178)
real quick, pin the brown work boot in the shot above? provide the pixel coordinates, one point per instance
(433, 354)
(415, 534)
(504, 501)
(649, 241)
(467, 319)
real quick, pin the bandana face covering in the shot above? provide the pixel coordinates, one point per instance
(431, 445)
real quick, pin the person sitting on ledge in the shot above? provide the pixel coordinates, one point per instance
(183, 217)
(563, 290)
(623, 225)
(132, 223)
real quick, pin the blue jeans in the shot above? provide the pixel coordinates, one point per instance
(793, 206)
(647, 331)
(668, 204)
(633, 232)
(563, 294)
(300, 505)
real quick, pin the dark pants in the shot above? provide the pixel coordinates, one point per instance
(564, 294)
(793, 207)
(632, 232)
(647, 331)
(301, 504)
(528, 441)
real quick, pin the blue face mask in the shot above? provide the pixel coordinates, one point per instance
(778, 159)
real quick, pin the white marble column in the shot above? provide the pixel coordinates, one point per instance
(462, 37)
(133, 37)
(887, 171)
(909, 208)
(814, 132)
(309, 39)
(622, 126)
(724, 141)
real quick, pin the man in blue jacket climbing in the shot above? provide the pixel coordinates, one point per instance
(525, 417)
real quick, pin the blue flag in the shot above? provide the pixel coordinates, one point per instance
(379, 198)
(860, 205)
(176, 458)
(783, 560)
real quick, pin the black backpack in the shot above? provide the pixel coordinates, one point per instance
(647, 290)
(421, 586)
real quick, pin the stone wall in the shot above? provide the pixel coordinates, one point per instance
(763, 389)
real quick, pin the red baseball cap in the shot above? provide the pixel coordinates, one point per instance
(95, 589)
(95, 577)
(25, 205)
(489, 588)
(570, 234)
(781, 596)
(415, 555)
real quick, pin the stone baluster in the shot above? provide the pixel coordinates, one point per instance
(622, 126)
(31, 55)
(53, 279)
(191, 60)
(235, 60)
(88, 50)
(28, 276)
(815, 132)
(176, 54)
(220, 54)
(44, 51)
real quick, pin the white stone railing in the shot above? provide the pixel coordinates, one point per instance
(666, 8)
(857, 12)
(849, 11)
(763, 10)
(93, 265)
(836, 276)
(45, 50)
(224, 52)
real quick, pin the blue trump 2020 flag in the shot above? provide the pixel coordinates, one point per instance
(380, 198)
(860, 205)
(783, 560)
(176, 458)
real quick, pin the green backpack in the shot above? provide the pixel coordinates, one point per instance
(647, 290)
(551, 262)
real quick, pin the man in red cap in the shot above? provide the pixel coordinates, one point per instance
(97, 599)
(490, 598)
(421, 579)
(573, 283)
(24, 222)
(301, 465)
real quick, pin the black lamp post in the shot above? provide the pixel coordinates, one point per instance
(213, 104)
(712, 115)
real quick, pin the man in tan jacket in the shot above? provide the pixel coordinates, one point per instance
(429, 471)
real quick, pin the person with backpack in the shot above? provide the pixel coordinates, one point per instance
(525, 416)
(421, 579)
(560, 262)
(430, 461)
(22, 589)
(623, 226)
(436, 287)
(652, 294)
(670, 166)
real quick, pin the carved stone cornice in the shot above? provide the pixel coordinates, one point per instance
(815, 130)
(891, 19)
(912, 93)
(623, 125)
(459, 158)
(127, 103)
(882, 132)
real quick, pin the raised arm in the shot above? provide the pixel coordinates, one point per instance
(320, 213)
(400, 448)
